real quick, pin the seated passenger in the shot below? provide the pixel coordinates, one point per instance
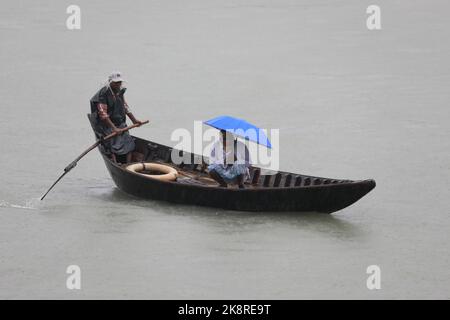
(229, 161)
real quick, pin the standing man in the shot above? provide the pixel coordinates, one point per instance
(111, 109)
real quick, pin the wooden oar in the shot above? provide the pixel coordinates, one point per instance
(74, 162)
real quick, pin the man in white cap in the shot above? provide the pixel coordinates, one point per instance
(111, 109)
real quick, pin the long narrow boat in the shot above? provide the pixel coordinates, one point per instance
(271, 191)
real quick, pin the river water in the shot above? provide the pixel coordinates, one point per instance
(350, 103)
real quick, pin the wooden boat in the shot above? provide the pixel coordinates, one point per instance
(278, 191)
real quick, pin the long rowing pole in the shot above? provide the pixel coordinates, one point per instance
(74, 162)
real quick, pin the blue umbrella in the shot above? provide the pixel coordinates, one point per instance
(241, 128)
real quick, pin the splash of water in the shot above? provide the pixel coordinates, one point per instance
(31, 204)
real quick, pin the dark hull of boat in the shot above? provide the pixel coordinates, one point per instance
(327, 196)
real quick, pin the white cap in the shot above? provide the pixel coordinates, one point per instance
(116, 76)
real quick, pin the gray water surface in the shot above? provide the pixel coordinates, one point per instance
(350, 103)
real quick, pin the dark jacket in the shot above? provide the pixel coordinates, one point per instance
(116, 105)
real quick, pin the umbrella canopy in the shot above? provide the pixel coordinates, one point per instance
(240, 128)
